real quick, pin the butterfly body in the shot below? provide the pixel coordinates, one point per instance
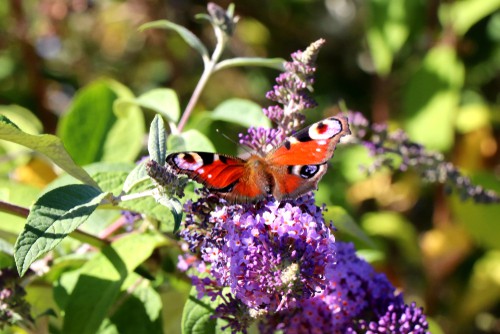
(290, 170)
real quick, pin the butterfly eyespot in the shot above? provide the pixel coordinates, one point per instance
(189, 161)
(308, 171)
(325, 129)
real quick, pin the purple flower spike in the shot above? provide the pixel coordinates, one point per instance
(384, 145)
(292, 93)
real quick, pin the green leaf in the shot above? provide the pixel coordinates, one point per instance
(190, 140)
(141, 311)
(275, 63)
(138, 175)
(388, 30)
(242, 112)
(124, 140)
(480, 220)
(473, 117)
(346, 224)
(176, 209)
(483, 290)
(88, 121)
(153, 209)
(23, 118)
(92, 291)
(111, 182)
(53, 216)
(162, 100)
(196, 315)
(394, 226)
(157, 140)
(462, 15)
(49, 145)
(432, 97)
(187, 35)
(94, 129)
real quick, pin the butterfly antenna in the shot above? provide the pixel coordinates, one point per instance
(232, 141)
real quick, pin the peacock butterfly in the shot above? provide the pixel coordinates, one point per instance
(290, 170)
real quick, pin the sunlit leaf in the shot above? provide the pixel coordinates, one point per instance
(480, 220)
(124, 141)
(388, 29)
(94, 129)
(93, 290)
(196, 315)
(462, 15)
(49, 145)
(393, 226)
(190, 140)
(346, 224)
(23, 118)
(53, 216)
(276, 63)
(162, 100)
(169, 213)
(242, 112)
(187, 35)
(483, 290)
(432, 97)
(137, 175)
(140, 311)
(157, 140)
(473, 117)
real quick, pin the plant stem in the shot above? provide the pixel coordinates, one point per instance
(207, 72)
(135, 196)
(14, 209)
(77, 234)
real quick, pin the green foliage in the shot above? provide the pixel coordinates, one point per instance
(432, 98)
(389, 27)
(187, 35)
(87, 295)
(241, 112)
(196, 316)
(190, 140)
(53, 216)
(92, 131)
(392, 59)
(157, 140)
(49, 145)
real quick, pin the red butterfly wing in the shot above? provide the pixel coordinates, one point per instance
(298, 164)
(215, 171)
(232, 178)
(313, 145)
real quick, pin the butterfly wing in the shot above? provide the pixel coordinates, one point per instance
(300, 162)
(233, 178)
(312, 145)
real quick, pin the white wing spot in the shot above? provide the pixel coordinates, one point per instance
(209, 176)
(329, 128)
(318, 150)
(180, 161)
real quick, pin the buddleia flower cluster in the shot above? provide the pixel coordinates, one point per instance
(277, 264)
(397, 152)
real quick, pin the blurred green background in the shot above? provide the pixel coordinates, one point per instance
(429, 67)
